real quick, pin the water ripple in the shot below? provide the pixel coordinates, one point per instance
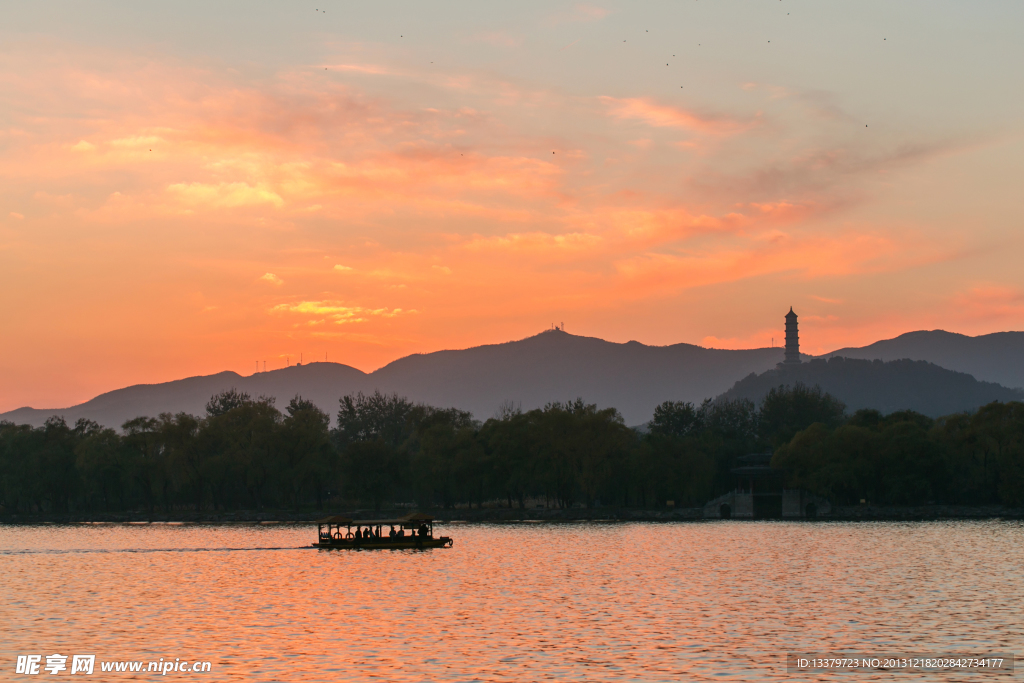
(597, 602)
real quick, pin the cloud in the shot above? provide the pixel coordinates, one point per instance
(135, 141)
(17, 216)
(223, 195)
(337, 312)
(533, 241)
(806, 258)
(400, 168)
(991, 302)
(370, 69)
(272, 279)
(657, 115)
(822, 176)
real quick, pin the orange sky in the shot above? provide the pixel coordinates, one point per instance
(192, 190)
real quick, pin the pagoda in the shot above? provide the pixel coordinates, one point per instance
(792, 338)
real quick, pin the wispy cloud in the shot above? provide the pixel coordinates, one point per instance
(223, 195)
(990, 302)
(658, 115)
(272, 279)
(370, 69)
(336, 312)
(482, 199)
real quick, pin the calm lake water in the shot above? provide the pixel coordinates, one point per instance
(518, 602)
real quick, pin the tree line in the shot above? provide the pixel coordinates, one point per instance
(245, 453)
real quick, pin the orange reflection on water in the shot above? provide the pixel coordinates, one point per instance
(518, 602)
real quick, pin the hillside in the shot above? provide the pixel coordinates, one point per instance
(322, 383)
(556, 366)
(885, 386)
(997, 357)
(551, 366)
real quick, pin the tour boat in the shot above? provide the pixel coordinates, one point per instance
(337, 532)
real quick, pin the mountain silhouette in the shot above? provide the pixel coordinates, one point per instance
(551, 366)
(997, 357)
(886, 386)
(557, 366)
(319, 382)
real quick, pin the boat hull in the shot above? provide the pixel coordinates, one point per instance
(384, 544)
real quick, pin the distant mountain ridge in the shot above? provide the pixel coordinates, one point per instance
(886, 386)
(997, 357)
(316, 381)
(551, 366)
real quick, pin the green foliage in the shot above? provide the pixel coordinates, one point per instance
(225, 402)
(906, 458)
(245, 453)
(378, 416)
(786, 410)
(678, 419)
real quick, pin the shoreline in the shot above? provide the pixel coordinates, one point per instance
(865, 513)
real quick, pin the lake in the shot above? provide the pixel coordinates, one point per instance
(718, 601)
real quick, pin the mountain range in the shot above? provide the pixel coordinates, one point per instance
(997, 357)
(886, 386)
(551, 366)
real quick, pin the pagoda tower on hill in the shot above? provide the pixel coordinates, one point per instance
(792, 338)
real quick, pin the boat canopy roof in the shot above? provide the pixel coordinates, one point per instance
(418, 517)
(335, 519)
(412, 519)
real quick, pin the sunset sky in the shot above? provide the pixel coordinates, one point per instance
(191, 187)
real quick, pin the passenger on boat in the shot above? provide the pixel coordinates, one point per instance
(391, 534)
(423, 530)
